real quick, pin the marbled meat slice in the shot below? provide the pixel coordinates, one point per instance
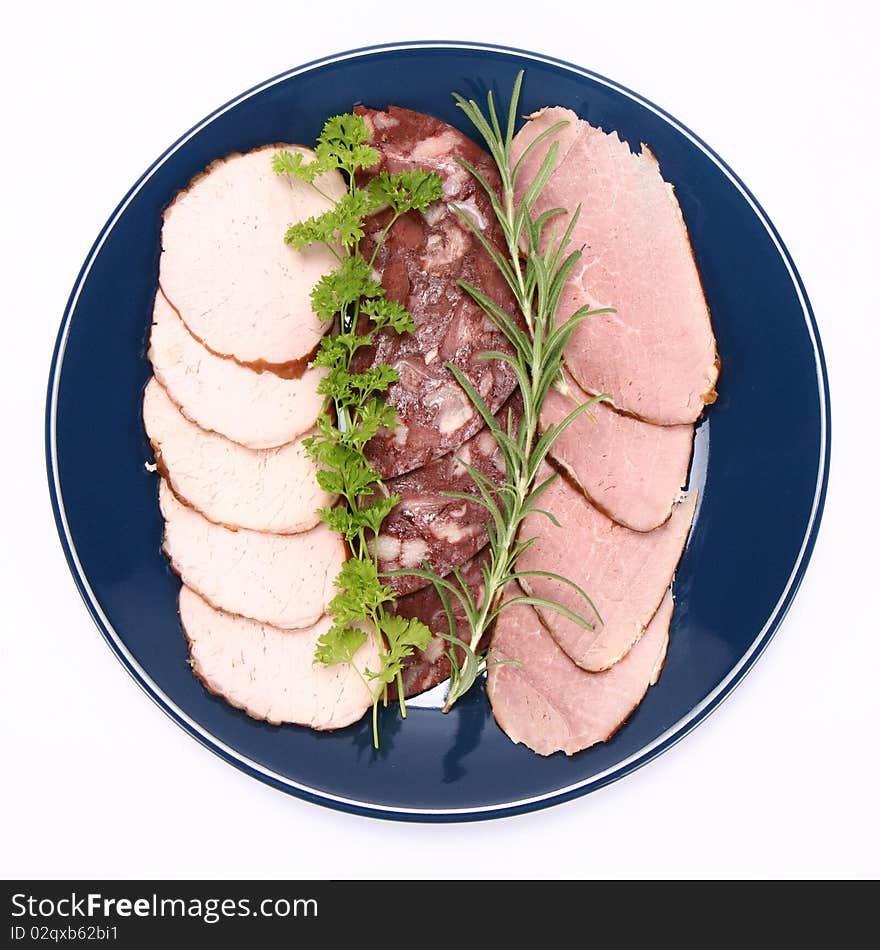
(258, 410)
(656, 355)
(551, 705)
(226, 269)
(630, 470)
(420, 264)
(429, 526)
(270, 673)
(263, 489)
(282, 579)
(625, 572)
(426, 668)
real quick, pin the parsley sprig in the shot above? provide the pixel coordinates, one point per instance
(536, 266)
(354, 301)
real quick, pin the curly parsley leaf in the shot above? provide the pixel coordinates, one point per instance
(389, 313)
(406, 191)
(372, 515)
(361, 592)
(353, 301)
(339, 645)
(342, 142)
(314, 230)
(403, 635)
(348, 284)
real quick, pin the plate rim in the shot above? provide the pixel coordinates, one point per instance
(667, 739)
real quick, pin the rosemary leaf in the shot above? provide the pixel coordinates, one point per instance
(536, 269)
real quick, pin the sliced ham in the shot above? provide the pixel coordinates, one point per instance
(257, 410)
(540, 123)
(226, 269)
(270, 673)
(625, 572)
(630, 470)
(420, 265)
(656, 355)
(263, 489)
(551, 705)
(429, 526)
(283, 580)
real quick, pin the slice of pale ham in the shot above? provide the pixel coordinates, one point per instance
(271, 673)
(546, 702)
(631, 470)
(226, 269)
(258, 410)
(540, 124)
(284, 580)
(262, 489)
(656, 355)
(625, 572)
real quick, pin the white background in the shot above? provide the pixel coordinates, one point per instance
(781, 781)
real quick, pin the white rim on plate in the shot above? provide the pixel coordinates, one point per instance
(674, 732)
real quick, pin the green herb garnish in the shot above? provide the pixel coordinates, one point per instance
(537, 277)
(355, 410)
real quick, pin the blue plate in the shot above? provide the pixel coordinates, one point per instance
(764, 453)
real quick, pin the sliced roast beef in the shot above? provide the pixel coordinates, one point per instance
(265, 490)
(548, 703)
(625, 572)
(271, 673)
(282, 579)
(631, 470)
(428, 526)
(226, 269)
(656, 355)
(420, 264)
(258, 410)
(426, 668)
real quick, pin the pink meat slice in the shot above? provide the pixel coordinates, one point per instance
(226, 269)
(656, 355)
(551, 705)
(271, 490)
(270, 673)
(428, 526)
(257, 410)
(540, 124)
(281, 579)
(420, 264)
(630, 470)
(625, 572)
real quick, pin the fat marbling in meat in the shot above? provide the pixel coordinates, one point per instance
(420, 264)
(428, 526)
(426, 668)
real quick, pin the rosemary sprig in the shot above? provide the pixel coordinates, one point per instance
(355, 303)
(536, 266)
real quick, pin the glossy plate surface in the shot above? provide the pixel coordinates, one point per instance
(763, 453)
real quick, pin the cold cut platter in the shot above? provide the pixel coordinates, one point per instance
(438, 431)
